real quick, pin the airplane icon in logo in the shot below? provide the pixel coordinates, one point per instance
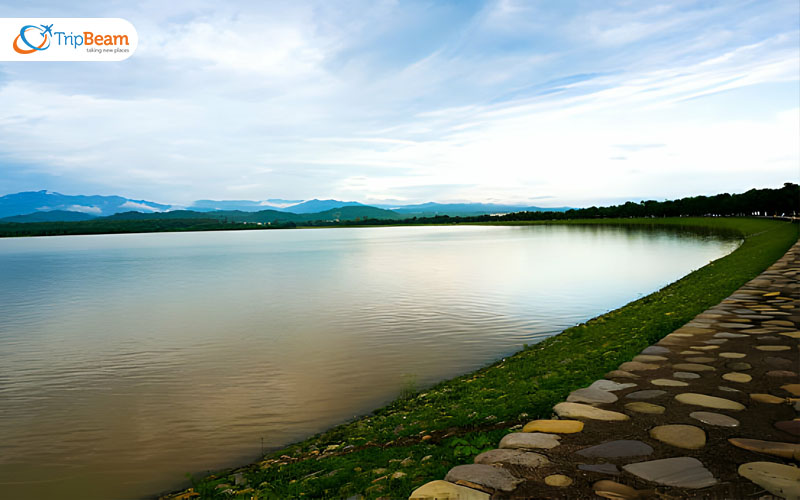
(47, 30)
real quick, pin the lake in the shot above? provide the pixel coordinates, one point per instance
(127, 361)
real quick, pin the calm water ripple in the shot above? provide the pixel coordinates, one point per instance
(127, 361)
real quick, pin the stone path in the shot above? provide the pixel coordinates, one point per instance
(710, 411)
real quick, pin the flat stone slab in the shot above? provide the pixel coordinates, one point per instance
(610, 385)
(492, 478)
(512, 457)
(679, 435)
(773, 348)
(647, 394)
(636, 366)
(578, 410)
(712, 418)
(780, 480)
(655, 349)
(600, 468)
(444, 490)
(616, 491)
(732, 355)
(737, 377)
(589, 395)
(648, 358)
(738, 365)
(729, 335)
(617, 449)
(530, 440)
(693, 367)
(686, 375)
(767, 398)
(793, 389)
(790, 426)
(691, 398)
(642, 407)
(781, 373)
(668, 382)
(784, 450)
(556, 426)
(701, 359)
(681, 472)
(621, 374)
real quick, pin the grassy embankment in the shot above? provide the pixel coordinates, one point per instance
(464, 415)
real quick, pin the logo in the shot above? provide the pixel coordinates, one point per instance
(66, 39)
(45, 30)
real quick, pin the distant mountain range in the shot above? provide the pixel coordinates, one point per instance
(48, 206)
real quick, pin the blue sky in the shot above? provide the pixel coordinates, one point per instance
(541, 102)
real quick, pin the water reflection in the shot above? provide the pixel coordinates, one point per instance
(129, 360)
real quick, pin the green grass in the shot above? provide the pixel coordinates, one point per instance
(468, 414)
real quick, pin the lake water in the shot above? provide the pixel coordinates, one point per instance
(127, 361)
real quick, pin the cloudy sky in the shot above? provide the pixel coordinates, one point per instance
(543, 102)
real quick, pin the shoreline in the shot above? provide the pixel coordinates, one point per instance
(453, 439)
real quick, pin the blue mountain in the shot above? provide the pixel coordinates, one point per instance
(47, 201)
(314, 206)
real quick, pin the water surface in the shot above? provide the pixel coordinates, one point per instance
(127, 361)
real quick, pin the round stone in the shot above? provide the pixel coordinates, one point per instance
(578, 410)
(700, 359)
(488, 476)
(635, 366)
(767, 398)
(617, 449)
(647, 394)
(679, 435)
(793, 389)
(712, 418)
(590, 395)
(773, 348)
(555, 426)
(512, 457)
(739, 365)
(732, 355)
(557, 480)
(780, 480)
(781, 373)
(648, 358)
(444, 489)
(654, 349)
(620, 374)
(610, 385)
(642, 407)
(704, 347)
(737, 377)
(685, 375)
(615, 491)
(691, 398)
(784, 450)
(530, 440)
(668, 382)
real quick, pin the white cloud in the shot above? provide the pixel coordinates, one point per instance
(85, 209)
(139, 206)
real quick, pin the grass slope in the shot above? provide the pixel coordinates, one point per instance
(467, 414)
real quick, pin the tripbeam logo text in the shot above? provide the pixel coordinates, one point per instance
(67, 39)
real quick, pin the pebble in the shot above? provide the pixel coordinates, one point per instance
(647, 358)
(642, 407)
(685, 375)
(493, 478)
(712, 418)
(512, 457)
(438, 490)
(728, 335)
(732, 355)
(727, 389)
(773, 348)
(621, 374)
(635, 366)
(793, 389)
(617, 449)
(556, 426)
(558, 480)
(530, 440)
(615, 491)
(780, 480)
(578, 410)
(668, 382)
(708, 401)
(647, 394)
(737, 377)
(739, 365)
(784, 450)
(589, 395)
(767, 398)
(701, 359)
(654, 349)
(682, 436)
(781, 373)
(681, 472)
(610, 385)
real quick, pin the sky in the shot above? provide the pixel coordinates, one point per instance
(548, 103)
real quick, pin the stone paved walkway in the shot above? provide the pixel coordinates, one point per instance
(710, 411)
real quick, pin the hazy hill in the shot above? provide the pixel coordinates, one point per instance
(266, 216)
(51, 216)
(315, 206)
(467, 209)
(46, 201)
